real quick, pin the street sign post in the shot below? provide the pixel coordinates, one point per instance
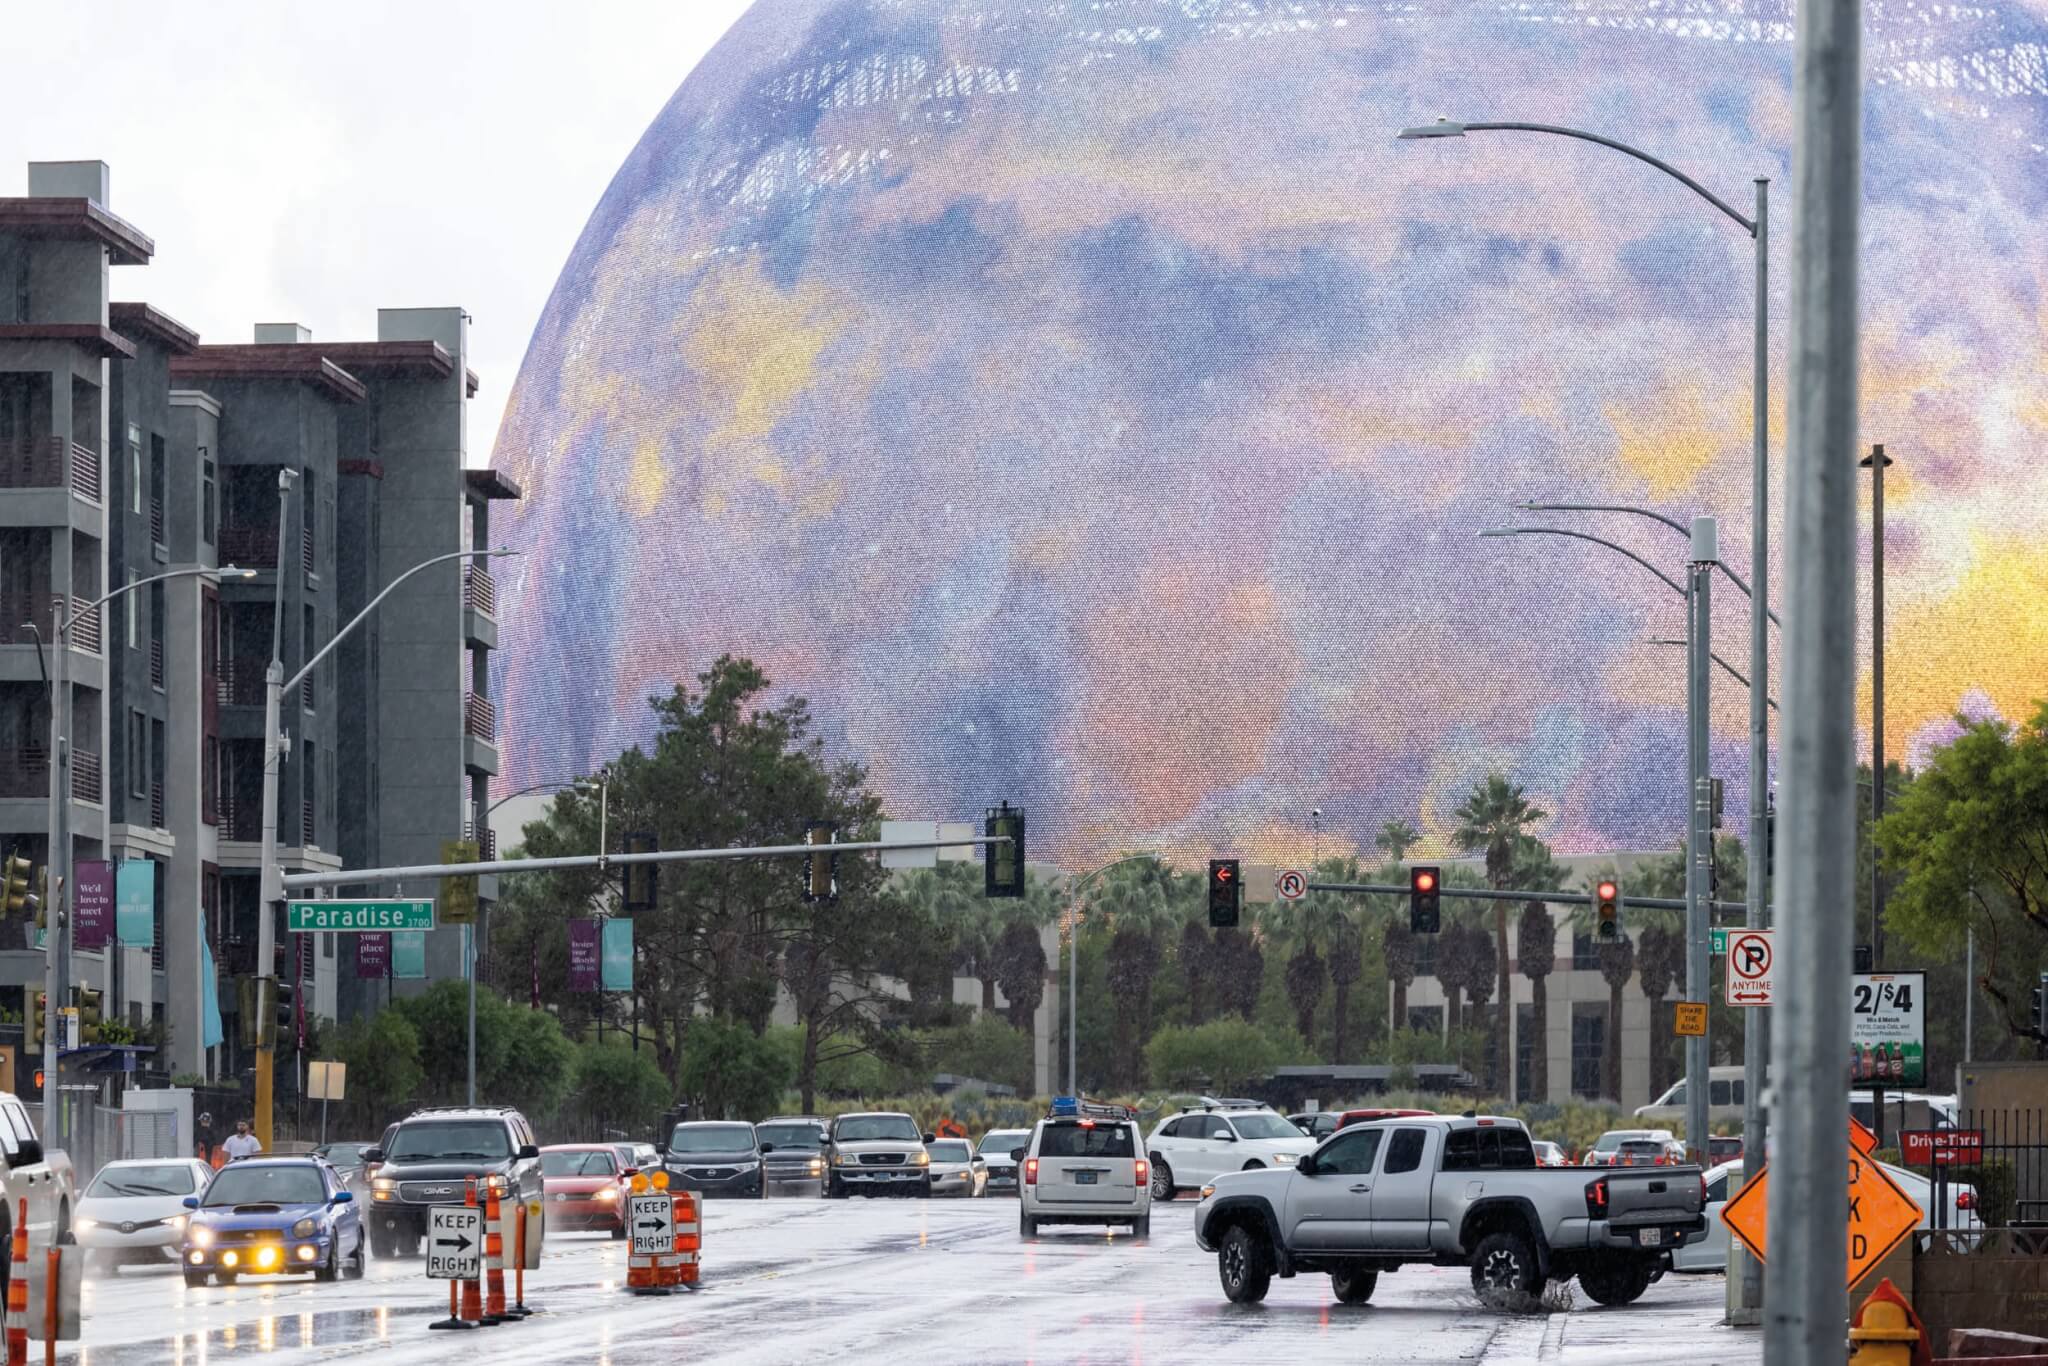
(1888, 1030)
(1942, 1147)
(652, 1219)
(1747, 978)
(356, 917)
(1881, 1214)
(1689, 1019)
(1291, 884)
(455, 1242)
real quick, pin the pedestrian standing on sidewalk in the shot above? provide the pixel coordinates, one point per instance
(242, 1143)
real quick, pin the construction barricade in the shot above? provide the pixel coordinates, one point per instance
(666, 1237)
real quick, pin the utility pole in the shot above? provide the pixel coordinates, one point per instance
(270, 891)
(56, 922)
(1756, 1024)
(1699, 864)
(1875, 462)
(1804, 1319)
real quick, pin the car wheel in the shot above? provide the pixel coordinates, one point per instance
(835, 1189)
(924, 1190)
(1353, 1285)
(330, 1270)
(1245, 1265)
(1253, 1167)
(224, 1277)
(1505, 1264)
(1615, 1285)
(194, 1279)
(1027, 1227)
(359, 1263)
(1142, 1227)
(1162, 1180)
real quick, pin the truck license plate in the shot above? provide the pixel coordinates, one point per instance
(1084, 1178)
(1652, 1237)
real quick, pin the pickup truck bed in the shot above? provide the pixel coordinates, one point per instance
(1448, 1191)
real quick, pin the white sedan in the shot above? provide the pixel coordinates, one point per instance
(136, 1209)
(956, 1168)
(1711, 1252)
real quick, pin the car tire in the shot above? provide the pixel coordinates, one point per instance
(924, 1190)
(1027, 1227)
(1253, 1167)
(1505, 1264)
(224, 1277)
(1245, 1265)
(329, 1271)
(1142, 1227)
(1162, 1180)
(1615, 1285)
(194, 1279)
(359, 1264)
(1353, 1285)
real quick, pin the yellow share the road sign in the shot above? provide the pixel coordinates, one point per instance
(1881, 1214)
(1689, 1019)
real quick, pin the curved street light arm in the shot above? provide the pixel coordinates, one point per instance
(225, 571)
(1673, 584)
(1673, 523)
(1748, 225)
(376, 602)
(578, 783)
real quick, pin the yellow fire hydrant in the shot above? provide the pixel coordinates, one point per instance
(1884, 1331)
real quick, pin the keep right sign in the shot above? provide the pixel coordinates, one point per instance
(1747, 980)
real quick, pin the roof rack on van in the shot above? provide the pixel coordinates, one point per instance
(1071, 1107)
(1228, 1103)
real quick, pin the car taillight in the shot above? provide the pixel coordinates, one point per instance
(1596, 1198)
(1966, 1198)
(1144, 1172)
(1030, 1171)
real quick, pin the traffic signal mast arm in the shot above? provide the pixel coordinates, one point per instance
(1655, 903)
(351, 876)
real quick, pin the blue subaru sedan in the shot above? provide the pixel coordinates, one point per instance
(268, 1216)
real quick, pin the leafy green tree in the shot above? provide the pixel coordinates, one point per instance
(1226, 1055)
(985, 1048)
(619, 1089)
(1396, 838)
(535, 1066)
(730, 1072)
(1496, 817)
(1534, 869)
(1617, 965)
(1967, 839)
(1197, 951)
(382, 1052)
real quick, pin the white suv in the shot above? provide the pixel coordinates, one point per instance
(1084, 1164)
(1196, 1146)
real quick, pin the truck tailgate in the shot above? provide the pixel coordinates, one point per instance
(1652, 1195)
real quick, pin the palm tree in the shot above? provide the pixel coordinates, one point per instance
(1480, 979)
(1136, 904)
(1396, 838)
(1020, 970)
(1617, 965)
(1453, 970)
(1496, 817)
(1536, 951)
(1660, 961)
(1238, 971)
(950, 898)
(1398, 944)
(1346, 948)
(1197, 952)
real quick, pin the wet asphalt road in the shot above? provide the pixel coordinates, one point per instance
(806, 1280)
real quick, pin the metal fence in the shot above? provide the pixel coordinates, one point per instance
(2015, 1141)
(98, 1134)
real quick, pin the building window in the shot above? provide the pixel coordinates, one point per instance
(135, 485)
(206, 496)
(310, 789)
(1589, 1047)
(128, 611)
(138, 754)
(209, 780)
(156, 488)
(1585, 953)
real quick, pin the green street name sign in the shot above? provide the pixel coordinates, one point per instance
(1717, 942)
(303, 917)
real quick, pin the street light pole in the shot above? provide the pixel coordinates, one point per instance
(275, 688)
(1074, 958)
(58, 861)
(1875, 462)
(1700, 837)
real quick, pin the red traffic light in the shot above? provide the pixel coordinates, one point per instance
(1425, 881)
(1223, 872)
(1606, 891)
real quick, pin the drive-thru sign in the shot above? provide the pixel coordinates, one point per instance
(652, 1219)
(1747, 980)
(1881, 1214)
(455, 1242)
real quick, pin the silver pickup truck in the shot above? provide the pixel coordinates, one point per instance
(1447, 1191)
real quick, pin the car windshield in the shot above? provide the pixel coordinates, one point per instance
(782, 1136)
(171, 1178)
(451, 1141)
(297, 1184)
(950, 1150)
(1263, 1126)
(711, 1138)
(877, 1128)
(578, 1164)
(1087, 1140)
(1004, 1140)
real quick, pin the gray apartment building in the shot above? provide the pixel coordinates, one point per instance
(129, 448)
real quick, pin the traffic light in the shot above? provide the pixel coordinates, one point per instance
(38, 1018)
(88, 1016)
(1226, 886)
(1425, 900)
(1003, 864)
(14, 884)
(822, 881)
(641, 879)
(1607, 910)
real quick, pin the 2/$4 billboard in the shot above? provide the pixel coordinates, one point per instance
(1888, 1031)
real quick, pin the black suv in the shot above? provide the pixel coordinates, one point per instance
(714, 1157)
(426, 1160)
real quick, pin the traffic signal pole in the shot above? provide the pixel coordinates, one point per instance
(1699, 872)
(56, 924)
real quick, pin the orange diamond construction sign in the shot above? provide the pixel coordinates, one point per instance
(1881, 1214)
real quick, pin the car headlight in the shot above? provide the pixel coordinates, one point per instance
(83, 1224)
(608, 1193)
(748, 1166)
(175, 1221)
(383, 1183)
(842, 1159)
(1285, 1159)
(817, 1166)
(923, 1160)
(493, 1182)
(1208, 1190)
(305, 1228)
(202, 1236)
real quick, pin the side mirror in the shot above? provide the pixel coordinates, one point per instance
(343, 1198)
(931, 1138)
(1016, 1154)
(371, 1155)
(1307, 1165)
(190, 1202)
(1224, 1136)
(30, 1153)
(767, 1147)
(529, 1152)
(630, 1171)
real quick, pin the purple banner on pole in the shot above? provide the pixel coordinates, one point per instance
(583, 955)
(373, 956)
(92, 905)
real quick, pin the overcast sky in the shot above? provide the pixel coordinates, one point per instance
(311, 163)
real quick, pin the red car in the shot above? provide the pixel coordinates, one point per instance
(585, 1187)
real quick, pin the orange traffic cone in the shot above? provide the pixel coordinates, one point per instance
(17, 1293)
(494, 1259)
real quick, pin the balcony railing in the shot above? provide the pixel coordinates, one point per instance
(309, 690)
(251, 547)
(25, 773)
(306, 829)
(156, 663)
(241, 821)
(35, 462)
(85, 776)
(85, 472)
(486, 841)
(156, 521)
(240, 681)
(480, 592)
(85, 626)
(156, 805)
(306, 549)
(480, 718)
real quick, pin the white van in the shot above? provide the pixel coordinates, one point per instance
(1724, 1099)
